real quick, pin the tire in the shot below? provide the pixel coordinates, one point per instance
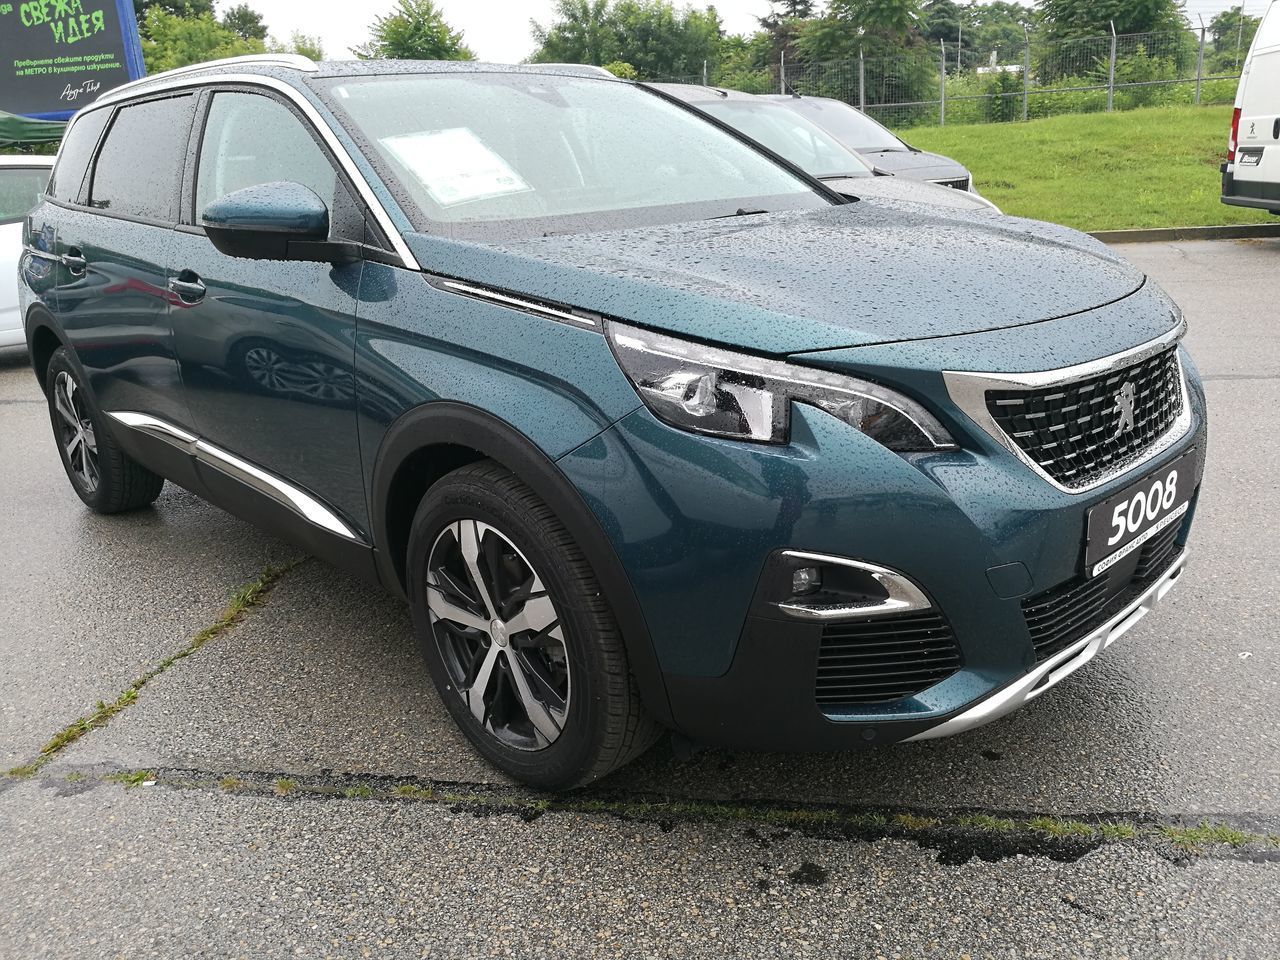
(106, 478)
(579, 716)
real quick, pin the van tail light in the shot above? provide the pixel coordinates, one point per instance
(1235, 136)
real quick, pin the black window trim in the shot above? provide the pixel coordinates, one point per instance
(188, 222)
(92, 170)
(78, 202)
(365, 191)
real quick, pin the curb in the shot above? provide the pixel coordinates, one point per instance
(1248, 231)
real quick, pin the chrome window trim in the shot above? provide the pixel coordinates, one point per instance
(312, 115)
(1047, 675)
(286, 494)
(904, 595)
(503, 299)
(968, 390)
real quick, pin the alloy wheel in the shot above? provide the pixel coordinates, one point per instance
(76, 432)
(499, 635)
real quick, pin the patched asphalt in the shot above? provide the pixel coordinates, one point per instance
(1177, 720)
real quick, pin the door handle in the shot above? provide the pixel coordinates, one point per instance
(189, 287)
(74, 261)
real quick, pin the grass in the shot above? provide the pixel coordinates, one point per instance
(1156, 167)
(242, 601)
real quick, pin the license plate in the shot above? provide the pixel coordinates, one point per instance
(1250, 158)
(1121, 525)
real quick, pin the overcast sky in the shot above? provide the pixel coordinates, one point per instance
(498, 30)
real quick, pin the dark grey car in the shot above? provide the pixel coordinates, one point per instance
(878, 143)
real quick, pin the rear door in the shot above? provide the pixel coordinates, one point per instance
(114, 244)
(1257, 166)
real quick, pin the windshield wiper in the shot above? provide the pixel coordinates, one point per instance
(741, 212)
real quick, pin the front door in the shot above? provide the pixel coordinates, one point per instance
(266, 347)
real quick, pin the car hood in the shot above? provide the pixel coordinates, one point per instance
(875, 271)
(914, 191)
(916, 163)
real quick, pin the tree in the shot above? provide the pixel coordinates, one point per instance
(1232, 34)
(176, 8)
(171, 41)
(580, 33)
(245, 22)
(650, 35)
(179, 8)
(892, 19)
(416, 31)
(997, 28)
(621, 70)
(1072, 19)
(300, 44)
(943, 20)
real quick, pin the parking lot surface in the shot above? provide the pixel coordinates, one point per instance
(294, 787)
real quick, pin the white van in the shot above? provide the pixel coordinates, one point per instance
(1251, 175)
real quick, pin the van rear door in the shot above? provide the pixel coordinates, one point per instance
(1253, 179)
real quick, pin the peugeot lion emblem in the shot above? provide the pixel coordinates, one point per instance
(1125, 400)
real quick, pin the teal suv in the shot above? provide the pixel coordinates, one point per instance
(652, 430)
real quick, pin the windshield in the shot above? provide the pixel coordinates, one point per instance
(789, 135)
(508, 155)
(848, 125)
(20, 189)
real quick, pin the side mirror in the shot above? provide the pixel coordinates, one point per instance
(275, 221)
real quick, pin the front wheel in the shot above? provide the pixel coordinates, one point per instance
(106, 478)
(517, 634)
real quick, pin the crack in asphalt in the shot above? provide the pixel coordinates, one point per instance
(957, 835)
(242, 602)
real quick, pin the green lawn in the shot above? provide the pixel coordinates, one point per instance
(1156, 167)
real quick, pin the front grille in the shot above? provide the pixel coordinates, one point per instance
(882, 659)
(1074, 431)
(960, 183)
(1068, 613)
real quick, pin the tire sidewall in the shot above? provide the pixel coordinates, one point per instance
(574, 750)
(63, 361)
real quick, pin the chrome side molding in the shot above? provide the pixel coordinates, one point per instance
(1053, 671)
(537, 308)
(286, 494)
(904, 595)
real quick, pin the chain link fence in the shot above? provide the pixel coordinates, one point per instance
(949, 84)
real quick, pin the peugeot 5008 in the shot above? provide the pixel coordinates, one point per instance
(652, 430)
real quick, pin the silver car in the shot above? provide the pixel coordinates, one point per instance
(880, 145)
(22, 180)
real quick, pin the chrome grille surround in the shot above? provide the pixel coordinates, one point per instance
(969, 391)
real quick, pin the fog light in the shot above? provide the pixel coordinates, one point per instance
(806, 580)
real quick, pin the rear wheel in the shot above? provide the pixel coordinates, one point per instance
(517, 634)
(106, 478)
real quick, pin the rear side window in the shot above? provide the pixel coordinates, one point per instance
(77, 151)
(139, 169)
(20, 189)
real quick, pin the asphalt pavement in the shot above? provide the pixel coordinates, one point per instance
(295, 788)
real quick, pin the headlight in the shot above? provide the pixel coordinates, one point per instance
(707, 390)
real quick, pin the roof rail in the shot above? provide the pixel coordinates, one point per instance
(581, 69)
(291, 61)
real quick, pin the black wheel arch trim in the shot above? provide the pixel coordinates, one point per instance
(448, 423)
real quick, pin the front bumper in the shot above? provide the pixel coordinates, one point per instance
(696, 520)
